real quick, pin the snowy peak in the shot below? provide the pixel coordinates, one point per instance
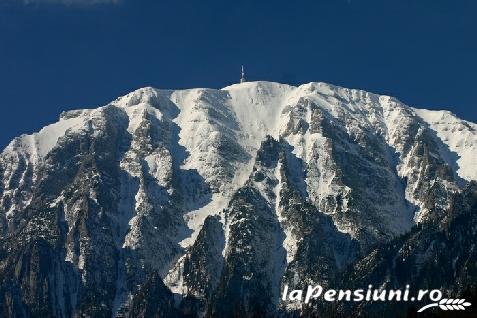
(257, 109)
(253, 185)
(221, 130)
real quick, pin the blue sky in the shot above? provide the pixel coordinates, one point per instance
(65, 54)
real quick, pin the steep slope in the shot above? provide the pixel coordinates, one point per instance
(431, 256)
(459, 136)
(221, 194)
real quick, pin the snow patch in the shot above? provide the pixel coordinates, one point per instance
(459, 135)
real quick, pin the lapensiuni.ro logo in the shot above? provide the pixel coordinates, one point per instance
(434, 296)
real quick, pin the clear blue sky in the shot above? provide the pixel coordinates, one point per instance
(65, 54)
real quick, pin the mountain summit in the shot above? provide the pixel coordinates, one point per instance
(207, 202)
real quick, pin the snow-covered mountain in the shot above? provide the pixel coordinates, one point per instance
(205, 198)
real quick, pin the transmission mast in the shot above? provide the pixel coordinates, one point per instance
(242, 78)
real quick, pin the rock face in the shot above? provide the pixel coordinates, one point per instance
(207, 202)
(439, 254)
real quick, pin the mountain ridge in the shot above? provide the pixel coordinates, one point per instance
(271, 169)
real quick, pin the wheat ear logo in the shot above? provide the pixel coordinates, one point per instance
(448, 304)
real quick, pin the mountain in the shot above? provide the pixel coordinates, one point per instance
(204, 202)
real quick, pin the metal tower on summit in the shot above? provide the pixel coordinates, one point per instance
(242, 78)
